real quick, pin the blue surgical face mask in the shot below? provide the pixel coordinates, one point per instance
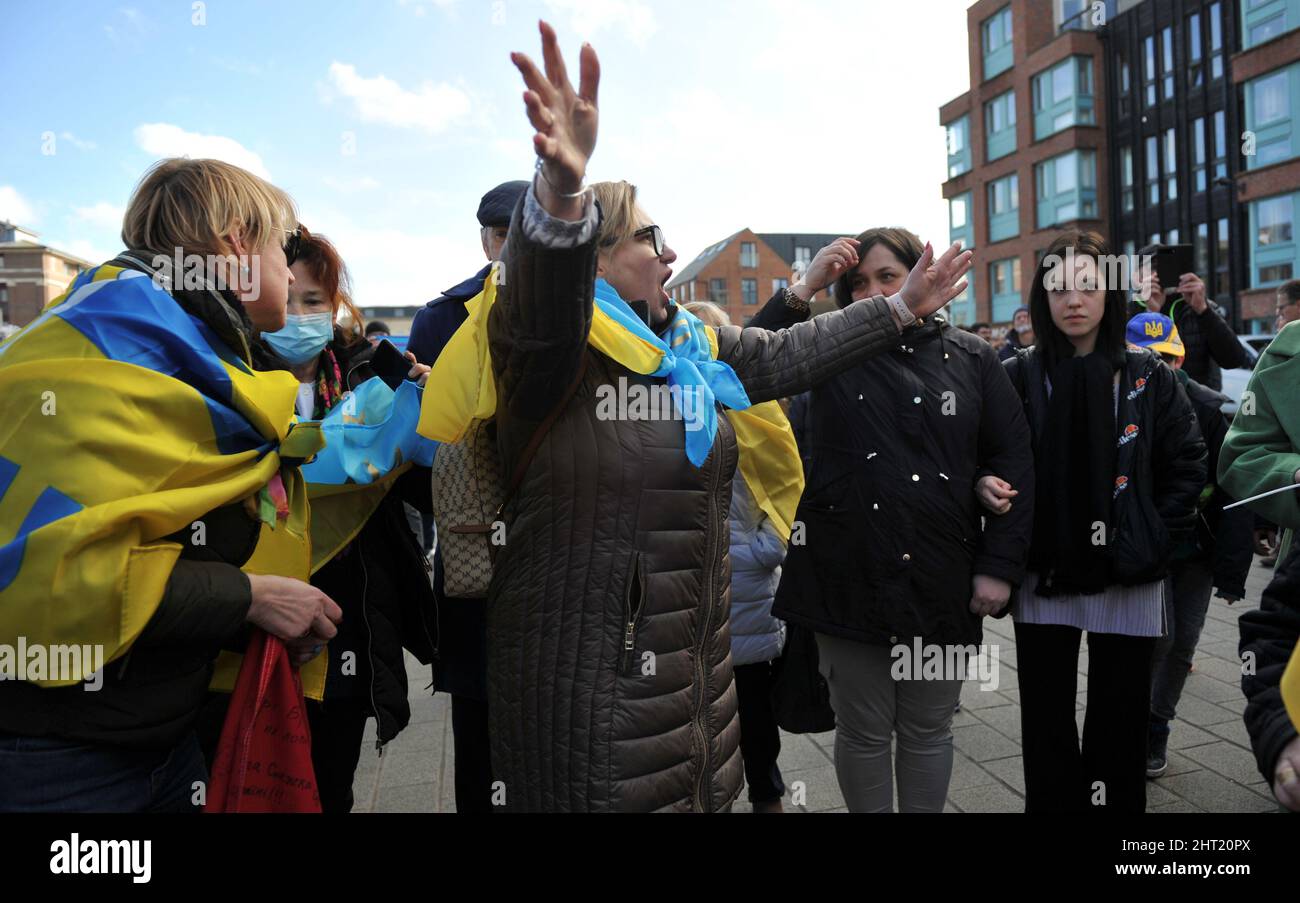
(304, 336)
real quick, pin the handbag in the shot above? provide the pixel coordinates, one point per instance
(470, 497)
(801, 698)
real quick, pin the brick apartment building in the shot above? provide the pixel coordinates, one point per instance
(1265, 74)
(741, 272)
(1026, 145)
(31, 274)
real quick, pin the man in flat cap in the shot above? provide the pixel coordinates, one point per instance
(435, 323)
(461, 666)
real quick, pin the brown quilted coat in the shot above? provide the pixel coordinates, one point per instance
(618, 546)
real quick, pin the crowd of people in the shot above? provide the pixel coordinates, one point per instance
(873, 479)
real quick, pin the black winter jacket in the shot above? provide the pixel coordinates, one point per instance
(1209, 341)
(1225, 538)
(1268, 637)
(893, 526)
(1162, 470)
(381, 582)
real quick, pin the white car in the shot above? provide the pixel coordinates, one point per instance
(1234, 381)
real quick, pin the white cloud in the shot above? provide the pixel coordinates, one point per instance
(86, 250)
(78, 143)
(380, 99)
(163, 139)
(589, 17)
(421, 7)
(104, 215)
(14, 208)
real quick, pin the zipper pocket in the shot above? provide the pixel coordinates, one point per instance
(633, 605)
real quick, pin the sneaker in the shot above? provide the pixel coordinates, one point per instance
(1157, 744)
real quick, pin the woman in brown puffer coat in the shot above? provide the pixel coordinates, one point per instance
(609, 658)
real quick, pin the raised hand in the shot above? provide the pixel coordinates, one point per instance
(830, 263)
(565, 120)
(933, 283)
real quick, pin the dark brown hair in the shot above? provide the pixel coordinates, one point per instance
(1290, 291)
(323, 262)
(901, 243)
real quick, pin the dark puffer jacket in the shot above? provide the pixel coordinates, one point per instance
(618, 547)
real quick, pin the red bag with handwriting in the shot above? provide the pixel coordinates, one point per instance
(263, 761)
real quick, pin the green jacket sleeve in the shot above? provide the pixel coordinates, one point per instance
(1262, 448)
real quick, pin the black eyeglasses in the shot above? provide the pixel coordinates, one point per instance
(293, 246)
(656, 238)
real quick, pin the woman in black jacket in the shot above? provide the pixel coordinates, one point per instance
(380, 580)
(1120, 463)
(895, 569)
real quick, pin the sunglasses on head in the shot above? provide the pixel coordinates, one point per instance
(293, 246)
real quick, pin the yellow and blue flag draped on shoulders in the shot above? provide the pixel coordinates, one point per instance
(370, 440)
(769, 458)
(124, 420)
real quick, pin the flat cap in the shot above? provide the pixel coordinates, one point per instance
(498, 205)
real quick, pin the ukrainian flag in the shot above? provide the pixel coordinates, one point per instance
(123, 420)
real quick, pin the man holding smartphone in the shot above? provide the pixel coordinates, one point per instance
(1211, 345)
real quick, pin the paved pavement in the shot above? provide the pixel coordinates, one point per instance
(1211, 767)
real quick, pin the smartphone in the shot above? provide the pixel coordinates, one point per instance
(1170, 262)
(389, 364)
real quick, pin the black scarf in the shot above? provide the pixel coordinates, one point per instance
(1075, 479)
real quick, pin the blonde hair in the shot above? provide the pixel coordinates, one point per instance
(618, 210)
(195, 204)
(709, 313)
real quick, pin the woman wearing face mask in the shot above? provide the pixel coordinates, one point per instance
(1119, 454)
(609, 664)
(149, 492)
(381, 579)
(895, 446)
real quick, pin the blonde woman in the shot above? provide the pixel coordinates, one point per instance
(169, 464)
(609, 660)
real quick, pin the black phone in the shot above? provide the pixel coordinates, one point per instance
(1170, 262)
(389, 364)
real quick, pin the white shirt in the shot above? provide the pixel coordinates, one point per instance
(306, 400)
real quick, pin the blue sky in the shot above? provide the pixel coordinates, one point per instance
(388, 119)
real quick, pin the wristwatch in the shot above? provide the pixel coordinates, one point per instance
(794, 302)
(905, 316)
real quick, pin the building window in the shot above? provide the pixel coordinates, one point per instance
(1172, 236)
(1201, 246)
(1000, 126)
(1198, 154)
(1149, 69)
(1263, 20)
(1126, 178)
(959, 154)
(718, 291)
(1216, 40)
(1153, 170)
(1221, 283)
(996, 37)
(802, 256)
(1125, 76)
(749, 254)
(1004, 207)
(1167, 61)
(1268, 115)
(749, 291)
(958, 214)
(1195, 65)
(692, 289)
(1067, 188)
(1171, 165)
(1004, 279)
(1220, 145)
(1063, 97)
(780, 285)
(1273, 245)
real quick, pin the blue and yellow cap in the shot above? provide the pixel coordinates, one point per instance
(1156, 332)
